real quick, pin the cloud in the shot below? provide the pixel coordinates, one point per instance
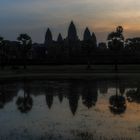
(101, 16)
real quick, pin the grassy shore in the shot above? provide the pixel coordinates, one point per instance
(69, 71)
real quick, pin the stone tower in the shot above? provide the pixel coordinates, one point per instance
(72, 33)
(48, 38)
(87, 35)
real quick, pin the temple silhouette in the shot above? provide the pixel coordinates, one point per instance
(71, 50)
(85, 91)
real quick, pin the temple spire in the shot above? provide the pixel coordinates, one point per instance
(87, 35)
(48, 37)
(59, 39)
(72, 33)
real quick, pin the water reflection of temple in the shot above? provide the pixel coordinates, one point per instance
(73, 90)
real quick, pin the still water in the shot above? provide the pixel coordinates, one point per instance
(88, 109)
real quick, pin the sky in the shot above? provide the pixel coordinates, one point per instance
(35, 16)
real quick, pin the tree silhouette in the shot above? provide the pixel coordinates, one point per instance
(103, 87)
(25, 103)
(122, 88)
(2, 95)
(117, 102)
(26, 42)
(2, 52)
(102, 46)
(116, 39)
(133, 44)
(90, 94)
(1, 41)
(133, 95)
(116, 43)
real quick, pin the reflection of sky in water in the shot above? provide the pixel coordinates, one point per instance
(34, 16)
(59, 121)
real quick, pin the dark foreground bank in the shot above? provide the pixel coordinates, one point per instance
(68, 71)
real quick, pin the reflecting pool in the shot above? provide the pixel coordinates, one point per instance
(84, 109)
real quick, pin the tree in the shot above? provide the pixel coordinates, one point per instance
(2, 95)
(1, 40)
(24, 103)
(116, 43)
(133, 44)
(89, 93)
(2, 51)
(117, 102)
(116, 39)
(133, 95)
(26, 42)
(102, 46)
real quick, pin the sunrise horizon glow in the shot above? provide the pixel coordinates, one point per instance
(34, 17)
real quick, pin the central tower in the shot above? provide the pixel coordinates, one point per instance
(72, 33)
